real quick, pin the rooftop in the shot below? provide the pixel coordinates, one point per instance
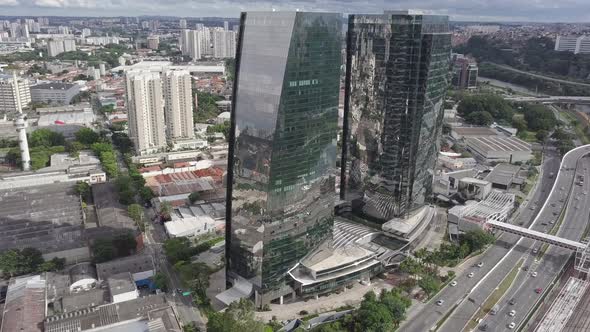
(47, 217)
(503, 174)
(133, 264)
(498, 143)
(121, 283)
(53, 86)
(475, 131)
(24, 309)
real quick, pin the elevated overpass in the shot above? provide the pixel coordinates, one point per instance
(580, 100)
(536, 235)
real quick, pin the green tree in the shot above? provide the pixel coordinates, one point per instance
(239, 316)
(177, 249)
(372, 316)
(161, 281)
(477, 239)
(396, 304)
(87, 136)
(541, 135)
(429, 284)
(103, 251)
(83, 189)
(480, 118)
(165, 210)
(194, 196)
(135, 212)
(55, 264)
(124, 244)
(46, 138)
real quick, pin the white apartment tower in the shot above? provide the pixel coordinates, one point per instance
(8, 94)
(178, 104)
(224, 44)
(182, 23)
(190, 43)
(146, 111)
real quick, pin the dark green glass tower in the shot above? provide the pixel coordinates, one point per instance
(396, 79)
(281, 168)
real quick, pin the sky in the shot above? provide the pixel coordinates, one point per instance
(458, 10)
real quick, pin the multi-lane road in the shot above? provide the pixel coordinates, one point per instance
(463, 301)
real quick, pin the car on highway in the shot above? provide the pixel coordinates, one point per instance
(535, 251)
(512, 325)
(453, 283)
(470, 275)
(483, 327)
(512, 313)
(440, 302)
(480, 264)
(512, 301)
(538, 290)
(585, 193)
(534, 274)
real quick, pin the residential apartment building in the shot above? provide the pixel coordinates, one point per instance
(146, 111)
(574, 44)
(8, 93)
(224, 44)
(178, 104)
(465, 72)
(58, 46)
(190, 43)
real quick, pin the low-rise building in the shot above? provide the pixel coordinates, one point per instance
(456, 163)
(499, 149)
(467, 132)
(474, 215)
(80, 114)
(189, 222)
(472, 188)
(54, 93)
(122, 287)
(503, 176)
(141, 267)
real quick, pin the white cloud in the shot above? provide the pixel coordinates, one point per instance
(9, 3)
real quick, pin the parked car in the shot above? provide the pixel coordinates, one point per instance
(512, 313)
(440, 302)
(480, 264)
(512, 325)
(453, 283)
(538, 290)
(470, 275)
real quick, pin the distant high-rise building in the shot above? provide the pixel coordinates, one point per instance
(178, 104)
(64, 30)
(199, 26)
(464, 72)
(190, 43)
(145, 25)
(103, 69)
(224, 44)
(58, 46)
(8, 93)
(146, 111)
(206, 48)
(86, 32)
(43, 21)
(153, 42)
(182, 23)
(282, 157)
(226, 25)
(396, 78)
(154, 25)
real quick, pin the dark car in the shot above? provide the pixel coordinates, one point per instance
(484, 327)
(512, 302)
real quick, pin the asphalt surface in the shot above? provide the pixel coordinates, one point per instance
(552, 262)
(469, 288)
(523, 290)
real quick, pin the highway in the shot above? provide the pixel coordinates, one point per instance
(548, 78)
(522, 292)
(452, 296)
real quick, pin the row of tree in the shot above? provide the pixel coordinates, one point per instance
(16, 262)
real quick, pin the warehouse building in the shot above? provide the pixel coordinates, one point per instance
(499, 149)
(54, 93)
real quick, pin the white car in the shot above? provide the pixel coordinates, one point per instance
(470, 275)
(512, 325)
(440, 302)
(512, 313)
(480, 264)
(534, 274)
(453, 283)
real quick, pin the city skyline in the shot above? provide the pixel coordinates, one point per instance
(575, 11)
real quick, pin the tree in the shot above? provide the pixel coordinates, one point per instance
(165, 210)
(190, 327)
(177, 249)
(103, 251)
(541, 135)
(83, 189)
(480, 118)
(477, 239)
(135, 212)
(46, 138)
(124, 244)
(55, 264)
(239, 316)
(146, 194)
(429, 284)
(372, 316)
(87, 136)
(194, 196)
(396, 304)
(161, 281)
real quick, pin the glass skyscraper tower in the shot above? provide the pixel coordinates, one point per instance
(282, 158)
(396, 79)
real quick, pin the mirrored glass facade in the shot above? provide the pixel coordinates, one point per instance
(396, 78)
(282, 163)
